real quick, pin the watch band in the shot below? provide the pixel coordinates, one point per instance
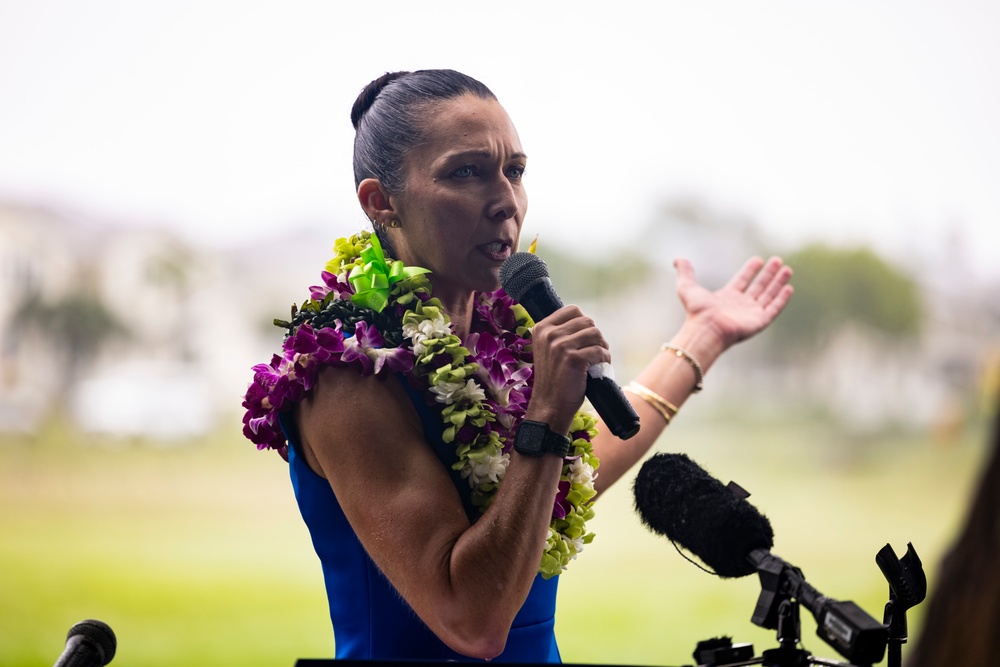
(537, 439)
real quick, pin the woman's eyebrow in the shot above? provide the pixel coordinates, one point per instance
(485, 154)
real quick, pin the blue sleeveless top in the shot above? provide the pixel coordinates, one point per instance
(371, 621)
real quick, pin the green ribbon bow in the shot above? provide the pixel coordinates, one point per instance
(373, 279)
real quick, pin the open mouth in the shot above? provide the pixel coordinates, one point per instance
(497, 251)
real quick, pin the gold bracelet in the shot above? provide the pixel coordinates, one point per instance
(699, 374)
(666, 409)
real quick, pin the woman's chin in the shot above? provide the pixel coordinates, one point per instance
(493, 284)
(445, 289)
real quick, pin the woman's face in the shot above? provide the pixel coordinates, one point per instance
(463, 201)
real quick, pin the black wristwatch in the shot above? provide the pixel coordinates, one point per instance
(536, 439)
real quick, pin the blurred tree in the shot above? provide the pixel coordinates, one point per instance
(836, 288)
(172, 268)
(77, 326)
(580, 279)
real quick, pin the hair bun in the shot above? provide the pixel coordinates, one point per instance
(369, 93)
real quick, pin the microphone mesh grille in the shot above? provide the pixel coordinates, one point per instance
(99, 633)
(520, 272)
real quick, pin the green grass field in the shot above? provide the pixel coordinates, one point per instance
(195, 554)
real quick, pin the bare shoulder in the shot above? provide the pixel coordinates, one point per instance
(345, 409)
(349, 422)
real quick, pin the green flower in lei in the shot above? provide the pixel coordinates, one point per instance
(377, 315)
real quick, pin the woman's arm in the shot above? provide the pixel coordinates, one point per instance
(465, 581)
(714, 321)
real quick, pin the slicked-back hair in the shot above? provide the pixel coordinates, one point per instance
(389, 114)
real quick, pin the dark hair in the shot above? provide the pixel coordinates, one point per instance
(388, 115)
(960, 624)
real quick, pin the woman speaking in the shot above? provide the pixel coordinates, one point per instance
(434, 432)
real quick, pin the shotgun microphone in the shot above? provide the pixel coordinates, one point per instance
(676, 497)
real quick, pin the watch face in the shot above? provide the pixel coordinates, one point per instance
(530, 438)
(535, 439)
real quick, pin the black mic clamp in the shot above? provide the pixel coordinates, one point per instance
(842, 624)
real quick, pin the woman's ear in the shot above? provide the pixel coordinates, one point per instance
(375, 201)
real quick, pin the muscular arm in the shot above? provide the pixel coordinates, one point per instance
(465, 581)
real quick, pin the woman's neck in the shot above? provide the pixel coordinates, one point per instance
(459, 305)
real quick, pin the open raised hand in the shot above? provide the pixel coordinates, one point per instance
(747, 304)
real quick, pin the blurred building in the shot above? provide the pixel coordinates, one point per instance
(37, 262)
(127, 329)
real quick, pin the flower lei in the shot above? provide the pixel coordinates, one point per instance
(377, 315)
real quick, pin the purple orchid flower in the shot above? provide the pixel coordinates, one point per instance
(367, 349)
(500, 371)
(331, 283)
(562, 506)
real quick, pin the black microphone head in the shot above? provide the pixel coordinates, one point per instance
(519, 272)
(99, 634)
(675, 497)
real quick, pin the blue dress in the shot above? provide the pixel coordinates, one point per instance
(371, 621)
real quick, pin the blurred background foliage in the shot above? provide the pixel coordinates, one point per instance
(838, 288)
(75, 326)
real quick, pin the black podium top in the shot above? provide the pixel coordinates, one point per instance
(329, 662)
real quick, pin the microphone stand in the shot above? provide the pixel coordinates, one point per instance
(782, 590)
(907, 588)
(789, 634)
(787, 654)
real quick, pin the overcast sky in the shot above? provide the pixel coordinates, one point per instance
(844, 121)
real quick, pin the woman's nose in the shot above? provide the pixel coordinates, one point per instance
(504, 203)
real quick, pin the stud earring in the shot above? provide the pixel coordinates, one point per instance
(394, 223)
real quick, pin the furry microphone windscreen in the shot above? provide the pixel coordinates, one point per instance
(675, 497)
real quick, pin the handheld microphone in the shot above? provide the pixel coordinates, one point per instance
(525, 278)
(677, 498)
(89, 643)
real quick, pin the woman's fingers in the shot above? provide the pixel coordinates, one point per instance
(770, 280)
(564, 344)
(761, 280)
(572, 335)
(685, 274)
(747, 277)
(777, 304)
(777, 284)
